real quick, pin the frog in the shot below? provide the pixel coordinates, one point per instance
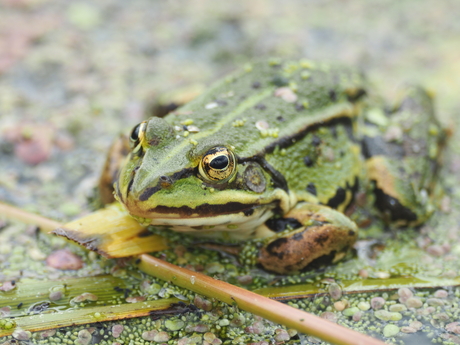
(272, 157)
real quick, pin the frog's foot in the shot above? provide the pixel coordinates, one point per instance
(308, 236)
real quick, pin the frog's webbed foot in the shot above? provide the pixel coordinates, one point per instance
(403, 151)
(315, 235)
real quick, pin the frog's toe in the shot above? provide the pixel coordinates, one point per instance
(325, 237)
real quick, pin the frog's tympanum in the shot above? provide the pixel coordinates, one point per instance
(275, 154)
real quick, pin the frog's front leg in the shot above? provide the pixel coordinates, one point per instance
(308, 236)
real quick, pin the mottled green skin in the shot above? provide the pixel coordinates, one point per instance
(295, 129)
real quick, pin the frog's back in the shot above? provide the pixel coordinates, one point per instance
(295, 116)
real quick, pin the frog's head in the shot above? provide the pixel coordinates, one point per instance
(193, 183)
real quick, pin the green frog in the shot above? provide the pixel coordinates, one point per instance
(272, 157)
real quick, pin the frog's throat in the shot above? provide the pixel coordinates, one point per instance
(226, 217)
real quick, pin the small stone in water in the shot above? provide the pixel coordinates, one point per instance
(377, 303)
(174, 325)
(329, 316)
(383, 315)
(63, 259)
(244, 280)
(407, 329)
(357, 316)
(117, 330)
(404, 294)
(441, 294)
(435, 302)
(413, 302)
(390, 330)
(84, 337)
(7, 286)
(149, 335)
(224, 322)
(397, 307)
(339, 306)
(281, 335)
(202, 303)
(395, 316)
(335, 291)
(55, 295)
(161, 337)
(364, 305)
(453, 327)
(86, 296)
(350, 311)
(416, 324)
(20, 334)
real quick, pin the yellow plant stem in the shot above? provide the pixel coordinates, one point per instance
(72, 317)
(14, 213)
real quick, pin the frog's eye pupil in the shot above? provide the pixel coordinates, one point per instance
(135, 133)
(219, 163)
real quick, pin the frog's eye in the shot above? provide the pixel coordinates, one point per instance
(217, 165)
(137, 134)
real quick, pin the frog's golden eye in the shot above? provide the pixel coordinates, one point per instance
(217, 165)
(137, 134)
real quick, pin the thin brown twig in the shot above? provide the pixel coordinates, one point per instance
(249, 301)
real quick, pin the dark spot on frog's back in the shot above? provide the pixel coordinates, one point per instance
(299, 107)
(316, 141)
(324, 260)
(337, 199)
(308, 161)
(388, 204)
(255, 85)
(321, 239)
(333, 95)
(282, 224)
(276, 244)
(280, 81)
(355, 95)
(311, 188)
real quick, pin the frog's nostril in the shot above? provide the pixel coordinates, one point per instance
(165, 181)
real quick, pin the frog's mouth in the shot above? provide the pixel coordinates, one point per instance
(232, 216)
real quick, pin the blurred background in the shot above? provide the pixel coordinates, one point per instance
(75, 74)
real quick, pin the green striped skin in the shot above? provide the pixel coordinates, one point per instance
(293, 130)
